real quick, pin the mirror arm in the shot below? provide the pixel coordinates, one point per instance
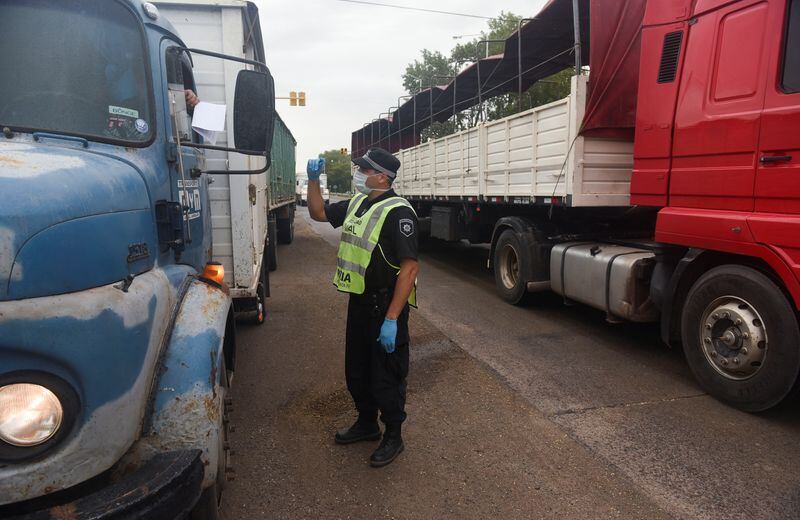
(259, 64)
(266, 155)
(240, 172)
(223, 149)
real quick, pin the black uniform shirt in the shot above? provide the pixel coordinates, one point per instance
(398, 239)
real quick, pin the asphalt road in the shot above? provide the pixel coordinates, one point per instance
(539, 411)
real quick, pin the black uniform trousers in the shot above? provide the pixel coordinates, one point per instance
(376, 379)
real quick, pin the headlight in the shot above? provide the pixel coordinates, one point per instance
(29, 414)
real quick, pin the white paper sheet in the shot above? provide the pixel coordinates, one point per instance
(208, 119)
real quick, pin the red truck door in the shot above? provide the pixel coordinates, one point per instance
(776, 221)
(719, 108)
(778, 180)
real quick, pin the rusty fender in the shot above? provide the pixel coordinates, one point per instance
(188, 398)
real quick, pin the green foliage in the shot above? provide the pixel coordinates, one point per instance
(432, 64)
(337, 166)
(500, 28)
(435, 63)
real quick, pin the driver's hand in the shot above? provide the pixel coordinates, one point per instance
(191, 98)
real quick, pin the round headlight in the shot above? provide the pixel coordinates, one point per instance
(29, 414)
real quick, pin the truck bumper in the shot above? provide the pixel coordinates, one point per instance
(167, 486)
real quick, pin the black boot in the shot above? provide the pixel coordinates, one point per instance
(391, 446)
(364, 429)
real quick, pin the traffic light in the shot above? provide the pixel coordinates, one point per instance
(343, 151)
(295, 98)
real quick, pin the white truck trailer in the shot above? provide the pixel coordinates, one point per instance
(531, 157)
(247, 210)
(485, 180)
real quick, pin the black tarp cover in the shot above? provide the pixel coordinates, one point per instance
(547, 43)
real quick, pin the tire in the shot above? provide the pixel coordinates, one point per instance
(208, 505)
(741, 338)
(286, 229)
(272, 244)
(511, 261)
(260, 313)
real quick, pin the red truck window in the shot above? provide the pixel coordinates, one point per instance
(791, 60)
(740, 53)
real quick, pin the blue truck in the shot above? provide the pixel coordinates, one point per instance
(117, 336)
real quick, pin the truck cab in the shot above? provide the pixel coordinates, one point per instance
(302, 189)
(116, 328)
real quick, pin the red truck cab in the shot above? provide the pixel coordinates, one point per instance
(717, 142)
(717, 147)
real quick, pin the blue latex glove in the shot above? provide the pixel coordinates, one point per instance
(388, 335)
(315, 168)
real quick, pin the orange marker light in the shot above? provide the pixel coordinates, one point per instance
(214, 271)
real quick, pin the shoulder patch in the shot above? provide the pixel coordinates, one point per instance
(406, 226)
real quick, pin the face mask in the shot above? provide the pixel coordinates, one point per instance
(360, 182)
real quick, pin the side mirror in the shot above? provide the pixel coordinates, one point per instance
(254, 111)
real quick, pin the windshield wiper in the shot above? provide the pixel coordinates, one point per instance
(38, 136)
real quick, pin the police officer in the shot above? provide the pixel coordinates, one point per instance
(377, 265)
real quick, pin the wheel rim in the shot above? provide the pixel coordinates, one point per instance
(509, 266)
(733, 338)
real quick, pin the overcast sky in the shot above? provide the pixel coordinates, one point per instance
(349, 58)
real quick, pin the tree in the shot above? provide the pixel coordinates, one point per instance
(432, 64)
(435, 63)
(500, 28)
(337, 166)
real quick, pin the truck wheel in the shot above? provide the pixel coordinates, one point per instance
(741, 338)
(207, 507)
(511, 260)
(260, 314)
(272, 244)
(285, 230)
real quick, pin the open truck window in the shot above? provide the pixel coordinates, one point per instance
(791, 59)
(179, 80)
(87, 72)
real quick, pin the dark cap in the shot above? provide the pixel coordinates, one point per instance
(380, 160)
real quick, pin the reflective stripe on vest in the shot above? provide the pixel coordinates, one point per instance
(359, 238)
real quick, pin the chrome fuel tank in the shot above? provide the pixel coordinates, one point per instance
(609, 277)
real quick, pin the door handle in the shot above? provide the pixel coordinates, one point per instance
(770, 159)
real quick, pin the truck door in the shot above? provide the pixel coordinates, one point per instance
(778, 179)
(719, 107)
(188, 186)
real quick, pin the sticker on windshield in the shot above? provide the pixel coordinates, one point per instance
(122, 111)
(141, 126)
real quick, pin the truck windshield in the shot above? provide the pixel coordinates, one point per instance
(74, 67)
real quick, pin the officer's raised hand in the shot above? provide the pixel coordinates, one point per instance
(388, 335)
(315, 168)
(316, 206)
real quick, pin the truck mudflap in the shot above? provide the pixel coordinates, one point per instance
(167, 486)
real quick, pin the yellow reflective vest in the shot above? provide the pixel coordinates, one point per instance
(359, 239)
